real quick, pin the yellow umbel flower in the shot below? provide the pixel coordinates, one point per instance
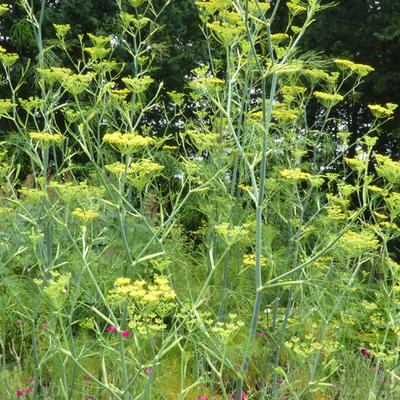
(328, 99)
(8, 59)
(54, 74)
(4, 8)
(294, 174)
(127, 143)
(138, 85)
(207, 83)
(356, 164)
(32, 103)
(136, 3)
(379, 111)
(359, 69)
(226, 33)
(316, 74)
(279, 36)
(62, 30)
(6, 105)
(250, 259)
(46, 137)
(295, 8)
(86, 216)
(343, 64)
(293, 90)
(212, 6)
(388, 168)
(97, 52)
(99, 41)
(356, 243)
(76, 84)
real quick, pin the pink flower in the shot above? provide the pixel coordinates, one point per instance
(238, 367)
(372, 369)
(260, 334)
(125, 333)
(20, 392)
(244, 395)
(155, 341)
(148, 371)
(44, 325)
(89, 398)
(29, 391)
(31, 378)
(202, 398)
(20, 321)
(366, 352)
(356, 333)
(280, 380)
(112, 328)
(339, 391)
(87, 378)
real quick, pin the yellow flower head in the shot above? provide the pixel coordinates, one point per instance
(46, 137)
(328, 99)
(379, 111)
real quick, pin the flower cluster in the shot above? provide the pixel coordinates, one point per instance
(86, 216)
(328, 99)
(24, 391)
(6, 105)
(295, 8)
(359, 69)
(379, 111)
(148, 304)
(250, 259)
(294, 174)
(138, 173)
(138, 85)
(141, 291)
(8, 59)
(127, 143)
(46, 137)
(55, 288)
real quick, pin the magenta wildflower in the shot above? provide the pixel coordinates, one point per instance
(31, 378)
(339, 391)
(20, 392)
(280, 380)
(372, 369)
(30, 390)
(260, 334)
(356, 333)
(89, 398)
(20, 321)
(155, 341)
(148, 371)
(125, 333)
(202, 398)
(238, 367)
(244, 395)
(87, 378)
(112, 328)
(366, 352)
(44, 325)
